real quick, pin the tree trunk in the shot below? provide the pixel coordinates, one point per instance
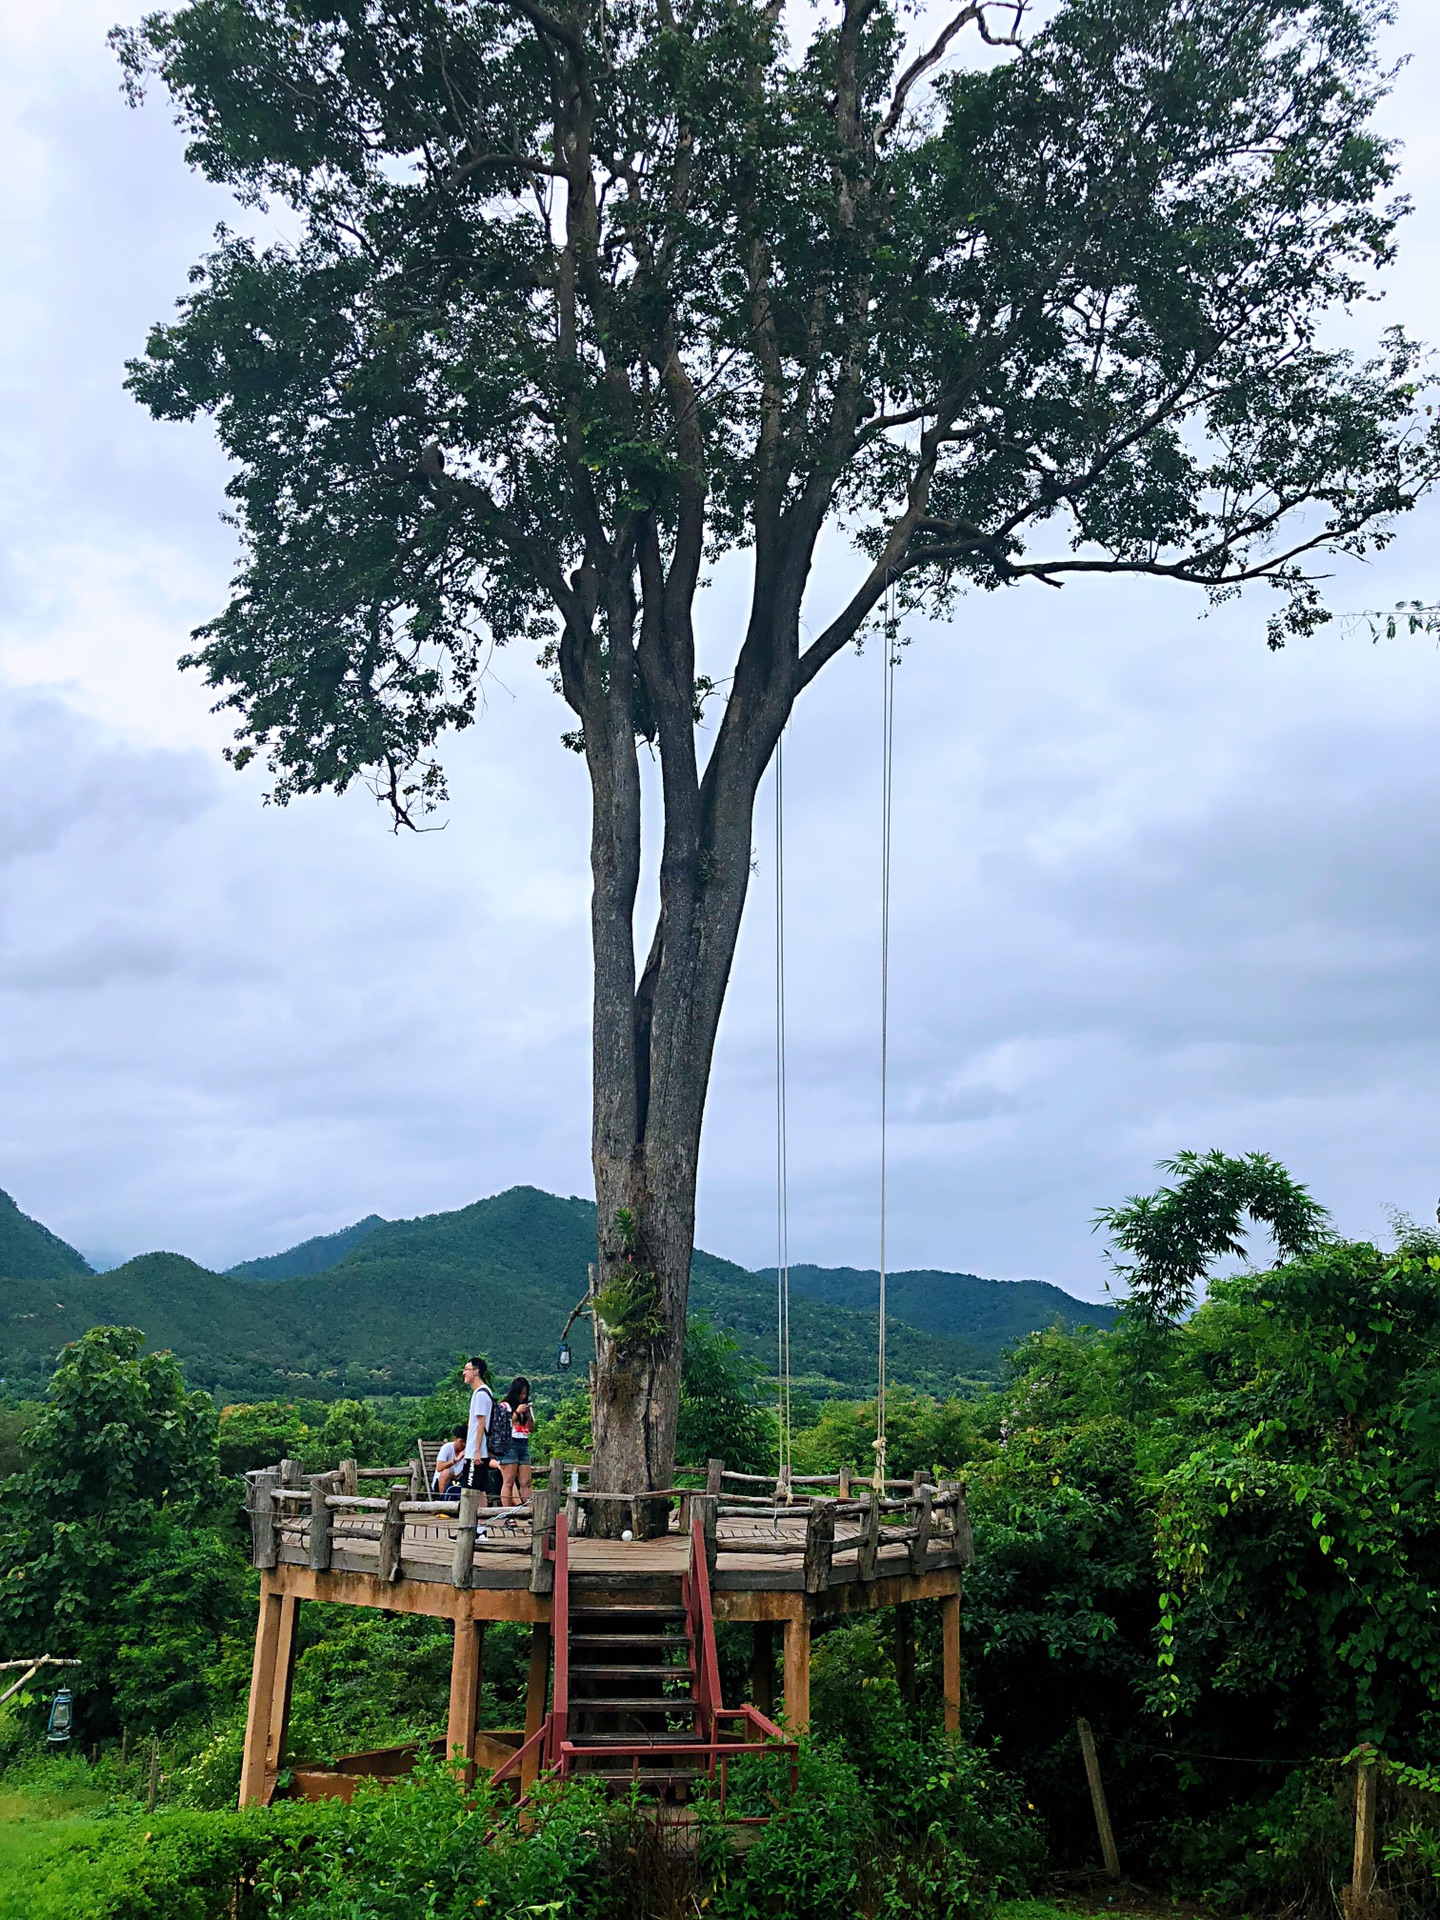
(653, 1045)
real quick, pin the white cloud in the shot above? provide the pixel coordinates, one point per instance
(1154, 886)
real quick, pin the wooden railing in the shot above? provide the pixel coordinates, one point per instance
(919, 1513)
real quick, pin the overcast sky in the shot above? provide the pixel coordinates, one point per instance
(1155, 887)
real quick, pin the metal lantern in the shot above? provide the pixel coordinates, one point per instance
(565, 1355)
(62, 1719)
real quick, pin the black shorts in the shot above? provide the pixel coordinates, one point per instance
(483, 1475)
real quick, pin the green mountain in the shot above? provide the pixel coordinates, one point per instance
(995, 1313)
(311, 1256)
(29, 1251)
(405, 1297)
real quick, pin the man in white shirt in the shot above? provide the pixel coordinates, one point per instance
(476, 1471)
(447, 1462)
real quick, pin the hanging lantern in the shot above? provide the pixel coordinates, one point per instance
(62, 1719)
(565, 1354)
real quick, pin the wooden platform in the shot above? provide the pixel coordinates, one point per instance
(782, 1566)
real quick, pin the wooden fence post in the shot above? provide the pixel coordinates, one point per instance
(920, 1545)
(843, 1492)
(350, 1477)
(706, 1509)
(462, 1560)
(870, 1545)
(264, 1542)
(321, 1524)
(713, 1470)
(543, 1502)
(392, 1534)
(1097, 1798)
(819, 1546)
(1358, 1895)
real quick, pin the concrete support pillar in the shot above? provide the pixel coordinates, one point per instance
(950, 1643)
(797, 1674)
(272, 1674)
(762, 1668)
(537, 1688)
(467, 1668)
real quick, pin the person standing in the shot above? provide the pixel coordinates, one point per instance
(515, 1458)
(476, 1471)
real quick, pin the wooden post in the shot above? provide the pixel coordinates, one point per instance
(762, 1668)
(536, 1688)
(870, 1546)
(706, 1509)
(289, 1473)
(1097, 1799)
(542, 1519)
(270, 1678)
(417, 1478)
(392, 1534)
(844, 1489)
(797, 1673)
(321, 1524)
(350, 1477)
(713, 1471)
(467, 1669)
(1362, 1871)
(264, 1543)
(462, 1560)
(920, 1545)
(950, 1651)
(819, 1546)
(905, 1652)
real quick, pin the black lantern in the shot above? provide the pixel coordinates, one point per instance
(565, 1355)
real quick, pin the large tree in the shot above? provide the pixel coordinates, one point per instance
(581, 295)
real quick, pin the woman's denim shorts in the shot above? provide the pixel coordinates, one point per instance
(518, 1454)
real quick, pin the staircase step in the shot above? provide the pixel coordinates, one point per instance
(629, 1610)
(634, 1740)
(580, 1670)
(613, 1641)
(681, 1703)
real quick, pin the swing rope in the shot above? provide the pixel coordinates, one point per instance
(887, 785)
(782, 1143)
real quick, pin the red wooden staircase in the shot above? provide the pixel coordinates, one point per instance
(636, 1698)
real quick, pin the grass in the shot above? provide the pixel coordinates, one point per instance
(46, 1805)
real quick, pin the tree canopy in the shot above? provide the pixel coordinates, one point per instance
(577, 299)
(582, 297)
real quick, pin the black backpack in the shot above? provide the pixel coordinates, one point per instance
(500, 1432)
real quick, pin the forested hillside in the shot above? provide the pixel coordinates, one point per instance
(991, 1313)
(383, 1307)
(29, 1251)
